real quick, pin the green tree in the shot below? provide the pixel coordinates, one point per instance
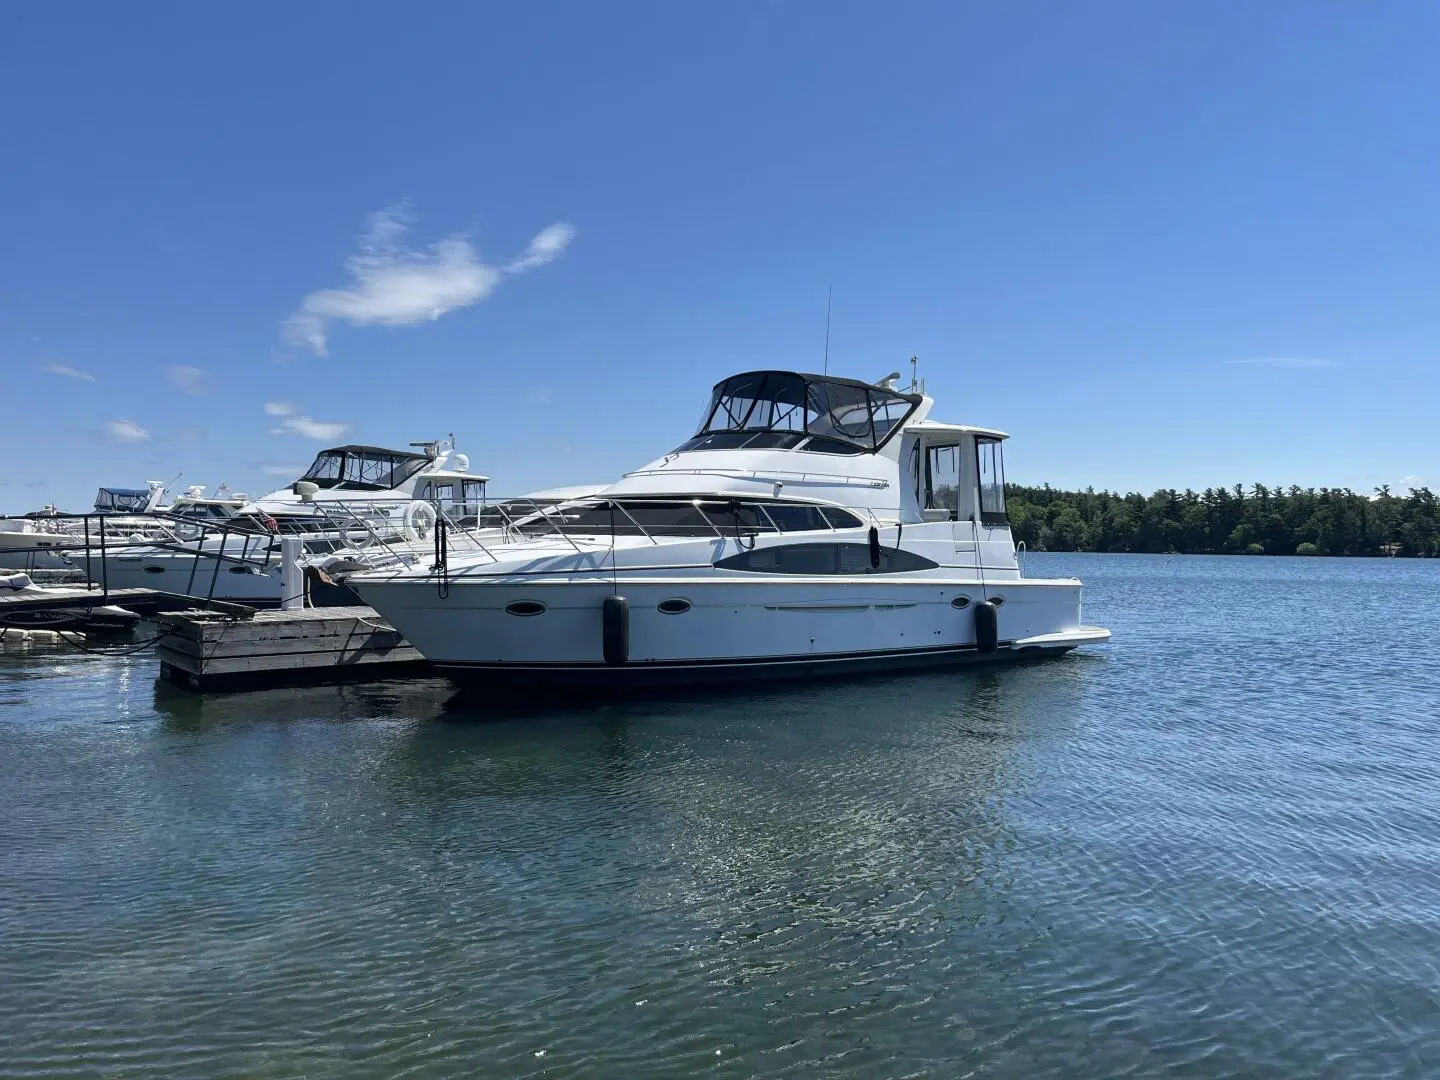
(1272, 519)
(1068, 531)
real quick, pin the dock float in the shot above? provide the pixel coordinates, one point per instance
(204, 650)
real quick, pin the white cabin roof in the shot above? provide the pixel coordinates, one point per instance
(934, 427)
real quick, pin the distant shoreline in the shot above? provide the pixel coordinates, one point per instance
(1295, 521)
(1212, 555)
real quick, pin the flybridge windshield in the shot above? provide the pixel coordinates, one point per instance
(125, 500)
(363, 468)
(780, 409)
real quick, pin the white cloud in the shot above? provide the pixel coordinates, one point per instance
(1288, 361)
(126, 432)
(398, 286)
(291, 424)
(67, 372)
(282, 470)
(311, 429)
(189, 380)
(549, 244)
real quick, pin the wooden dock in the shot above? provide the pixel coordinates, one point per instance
(140, 601)
(205, 650)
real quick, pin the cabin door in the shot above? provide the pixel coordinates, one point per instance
(991, 522)
(941, 477)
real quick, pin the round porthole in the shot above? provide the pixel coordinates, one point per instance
(154, 569)
(525, 607)
(960, 602)
(997, 600)
(673, 607)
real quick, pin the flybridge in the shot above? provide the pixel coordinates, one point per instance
(364, 468)
(785, 409)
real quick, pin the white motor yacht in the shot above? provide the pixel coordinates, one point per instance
(369, 484)
(40, 540)
(33, 542)
(812, 526)
(351, 497)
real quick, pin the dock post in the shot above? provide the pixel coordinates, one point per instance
(292, 579)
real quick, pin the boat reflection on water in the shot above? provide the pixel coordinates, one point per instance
(723, 814)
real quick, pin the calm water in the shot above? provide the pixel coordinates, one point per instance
(1211, 849)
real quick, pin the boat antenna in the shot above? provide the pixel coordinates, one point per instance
(914, 382)
(829, 289)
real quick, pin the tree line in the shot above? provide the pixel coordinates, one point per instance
(1229, 521)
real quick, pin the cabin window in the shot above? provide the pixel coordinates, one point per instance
(821, 445)
(840, 519)
(942, 479)
(688, 517)
(824, 559)
(796, 517)
(992, 481)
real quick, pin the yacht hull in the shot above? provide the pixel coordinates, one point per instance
(562, 679)
(185, 575)
(697, 630)
(26, 551)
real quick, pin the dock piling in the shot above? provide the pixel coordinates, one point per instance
(292, 578)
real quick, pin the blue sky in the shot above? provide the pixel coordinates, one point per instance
(1161, 244)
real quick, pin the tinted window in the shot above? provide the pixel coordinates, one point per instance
(840, 519)
(824, 559)
(699, 517)
(820, 445)
(795, 518)
(643, 517)
(743, 440)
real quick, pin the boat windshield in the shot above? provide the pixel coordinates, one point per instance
(782, 409)
(200, 511)
(121, 500)
(363, 468)
(680, 517)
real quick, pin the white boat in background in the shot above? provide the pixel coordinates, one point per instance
(40, 540)
(352, 498)
(812, 526)
(367, 484)
(33, 542)
(130, 501)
